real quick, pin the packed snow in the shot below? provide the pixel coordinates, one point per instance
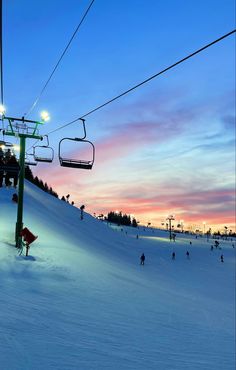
(82, 301)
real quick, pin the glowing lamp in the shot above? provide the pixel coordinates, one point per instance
(2, 109)
(16, 147)
(45, 116)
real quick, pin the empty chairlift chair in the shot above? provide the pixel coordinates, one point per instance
(66, 161)
(43, 153)
(29, 161)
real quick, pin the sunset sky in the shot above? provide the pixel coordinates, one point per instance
(168, 147)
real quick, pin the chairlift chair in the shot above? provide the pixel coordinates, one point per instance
(28, 161)
(49, 152)
(8, 144)
(77, 163)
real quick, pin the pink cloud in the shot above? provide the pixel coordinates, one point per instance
(217, 206)
(163, 125)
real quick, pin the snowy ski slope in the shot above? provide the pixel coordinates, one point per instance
(81, 301)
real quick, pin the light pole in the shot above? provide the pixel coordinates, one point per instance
(204, 227)
(182, 225)
(170, 218)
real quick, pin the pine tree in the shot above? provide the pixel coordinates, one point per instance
(46, 188)
(28, 174)
(134, 223)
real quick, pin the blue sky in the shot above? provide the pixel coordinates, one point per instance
(167, 147)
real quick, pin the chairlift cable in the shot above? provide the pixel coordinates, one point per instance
(62, 55)
(145, 81)
(142, 83)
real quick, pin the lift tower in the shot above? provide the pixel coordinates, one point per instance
(21, 128)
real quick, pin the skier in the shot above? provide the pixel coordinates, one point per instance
(142, 259)
(173, 256)
(187, 254)
(222, 258)
(15, 198)
(8, 154)
(1, 171)
(82, 212)
(216, 243)
(12, 172)
(1, 153)
(212, 248)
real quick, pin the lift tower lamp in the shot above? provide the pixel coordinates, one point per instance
(2, 110)
(45, 116)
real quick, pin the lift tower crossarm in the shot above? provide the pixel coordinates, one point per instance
(23, 120)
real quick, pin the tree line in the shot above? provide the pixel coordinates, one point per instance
(43, 185)
(121, 219)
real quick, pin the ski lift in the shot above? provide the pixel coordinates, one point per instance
(29, 161)
(12, 167)
(10, 163)
(6, 144)
(77, 163)
(43, 153)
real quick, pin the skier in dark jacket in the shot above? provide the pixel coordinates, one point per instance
(1, 153)
(173, 256)
(222, 258)
(14, 198)
(12, 172)
(8, 154)
(82, 212)
(217, 243)
(1, 171)
(142, 259)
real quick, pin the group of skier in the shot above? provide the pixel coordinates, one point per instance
(9, 168)
(187, 255)
(142, 257)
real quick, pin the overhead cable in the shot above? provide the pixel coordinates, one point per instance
(145, 81)
(62, 55)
